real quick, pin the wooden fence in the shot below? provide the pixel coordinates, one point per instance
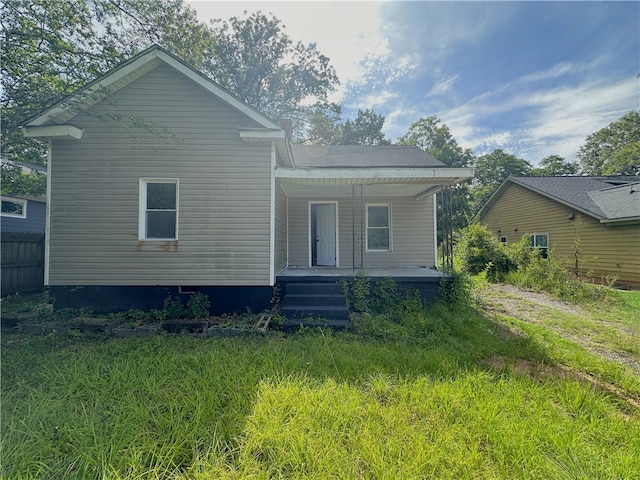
(22, 262)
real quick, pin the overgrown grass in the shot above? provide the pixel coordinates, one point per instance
(439, 393)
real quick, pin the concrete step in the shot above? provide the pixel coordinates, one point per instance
(337, 300)
(312, 288)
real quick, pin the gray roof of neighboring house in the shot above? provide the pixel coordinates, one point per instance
(336, 156)
(609, 199)
(26, 167)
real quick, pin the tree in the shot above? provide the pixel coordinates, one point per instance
(436, 139)
(366, 129)
(493, 169)
(50, 48)
(555, 166)
(324, 128)
(14, 181)
(256, 60)
(614, 149)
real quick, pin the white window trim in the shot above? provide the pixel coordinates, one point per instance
(21, 201)
(534, 239)
(366, 228)
(142, 207)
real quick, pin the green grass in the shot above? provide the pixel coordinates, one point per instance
(441, 395)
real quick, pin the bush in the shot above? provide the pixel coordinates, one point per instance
(480, 251)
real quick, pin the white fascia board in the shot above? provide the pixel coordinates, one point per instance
(374, 173)
(262, 135)
(155, 56)
(63, 132)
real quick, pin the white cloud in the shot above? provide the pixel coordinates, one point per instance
(443, 86)
(550, 121)
(346, 32)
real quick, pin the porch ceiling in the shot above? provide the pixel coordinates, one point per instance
(338, 182)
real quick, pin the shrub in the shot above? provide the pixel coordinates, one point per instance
(479, 251)
(198, 306)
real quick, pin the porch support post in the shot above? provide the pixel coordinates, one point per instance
(361, 226)
(353, 228)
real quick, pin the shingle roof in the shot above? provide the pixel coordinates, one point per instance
(619, 203)
(332, 156)
(606, 198)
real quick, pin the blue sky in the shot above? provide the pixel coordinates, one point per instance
(531, 78)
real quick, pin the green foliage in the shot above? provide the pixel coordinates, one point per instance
(255, 59)
(324, 127)
(357, 291)
(480, 251)
(555, 165)
(436, 139)
(198, 306)
(491, 170)
(17, 182)
(614, 149)
(385, 298)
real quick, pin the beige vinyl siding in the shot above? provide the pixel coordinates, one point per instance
(412, 232)
(187, 134)
(604, 250)
(281, 230)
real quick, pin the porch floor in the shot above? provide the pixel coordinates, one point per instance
(412, 274)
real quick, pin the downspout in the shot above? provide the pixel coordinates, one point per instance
(353, 228)
(435, 229)
(361, 226)
(47, 226)
(272, 218)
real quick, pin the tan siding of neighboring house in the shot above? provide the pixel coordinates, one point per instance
(603, 250)
(224, 190)
(412, 232)
(281, 230)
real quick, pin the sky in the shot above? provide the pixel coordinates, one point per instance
(530, 78)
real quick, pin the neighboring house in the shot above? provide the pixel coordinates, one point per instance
(162, 181)
(22, 214)
(593, 219)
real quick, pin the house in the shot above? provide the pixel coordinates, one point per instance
(593, 223)
(162, 181)
(22, 213)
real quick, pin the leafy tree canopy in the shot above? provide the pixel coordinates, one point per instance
(14, 181)
(436, 139)
(555, 165)
(256, 60)
(50, 48)
(324, 128)
(614, 149)
(491, 170)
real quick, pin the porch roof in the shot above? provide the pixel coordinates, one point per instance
(404, 181)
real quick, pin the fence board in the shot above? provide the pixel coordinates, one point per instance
(22, 257)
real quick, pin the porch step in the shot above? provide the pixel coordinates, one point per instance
(315, 304)
(314, 288)
(332, 299)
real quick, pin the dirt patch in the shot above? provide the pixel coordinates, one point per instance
(535, 307)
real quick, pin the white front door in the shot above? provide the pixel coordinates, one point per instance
(326, 234)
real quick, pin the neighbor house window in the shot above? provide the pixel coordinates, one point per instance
(379, 228)
(540, 241)
(14, 207)
(158, 209)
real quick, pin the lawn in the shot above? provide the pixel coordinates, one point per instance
(435, 394)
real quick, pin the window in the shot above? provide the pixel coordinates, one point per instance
(158, 209)
(503, 239)
(378, 228)
(540, 241)
(14, 207)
